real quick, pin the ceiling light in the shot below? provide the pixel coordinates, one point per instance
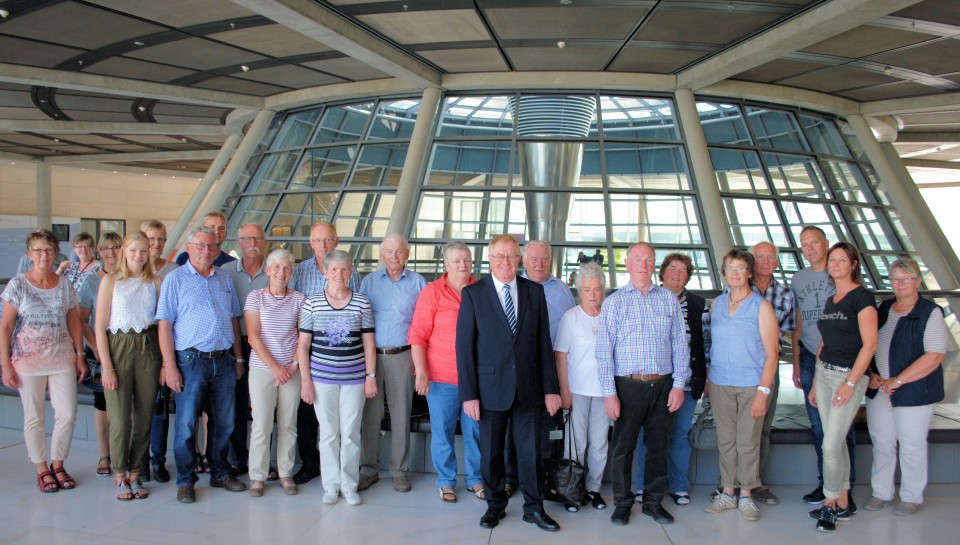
(138, 43)
(244, 67)
(56, 139)
(561, 44)
(888, 70)
(141, 108)
(4, 13)
(566, 2)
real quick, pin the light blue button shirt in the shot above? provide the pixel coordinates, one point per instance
(201, 309)
(393, 302)
(559, 301)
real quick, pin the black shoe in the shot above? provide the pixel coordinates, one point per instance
(238, 470)
(305, 475)
(816, 497)
(850, 505)
(186, 494)
(145, 474)
(509, 489)
(492, 518)
(202, 465)
(229, 483)
(826, 519)
(161, 474)
(542, 520)
(847, 514)
(658, 513)
(621, 515)
(596, 500)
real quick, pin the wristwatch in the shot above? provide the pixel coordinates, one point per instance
(371, 375)
(851, 384)
(764, 389)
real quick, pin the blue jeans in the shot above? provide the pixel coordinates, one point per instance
(445, 410)
(213, 381)
(808, 363)
(159, 426)
(678, 453)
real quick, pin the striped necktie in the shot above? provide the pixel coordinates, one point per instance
(508, 309)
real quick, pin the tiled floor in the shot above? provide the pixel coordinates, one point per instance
(89, 514)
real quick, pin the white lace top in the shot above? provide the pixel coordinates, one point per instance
(134, 306)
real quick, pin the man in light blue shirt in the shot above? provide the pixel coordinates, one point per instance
(536, 265)
(197, 313)
(393, 293)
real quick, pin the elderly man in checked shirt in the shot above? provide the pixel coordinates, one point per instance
(644, 364)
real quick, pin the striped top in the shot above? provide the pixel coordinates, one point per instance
(278, 324)
(934, 338)
(336, 351)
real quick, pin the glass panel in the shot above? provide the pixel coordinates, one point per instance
(775, 129)
(324, 168)
(395, 119)
(274, 172)
(476, 116)
(824, 136)
(252, 209)
(871, 231)
(874, 181)
(646, 166)
(588, 218)
(298, 211)
(364, 215)
(379, 165)
(901, 230)
(753, 221)
(723, 123)
(738, 171)
(848, 181)
(799, 214)
(470, 164)
(296, 130)
(638, 117)
(658, 219)
(343, 123)
(795, 176)
(460, 215)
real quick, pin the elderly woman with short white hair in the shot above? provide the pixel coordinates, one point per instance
(272, 315)
(579, 375)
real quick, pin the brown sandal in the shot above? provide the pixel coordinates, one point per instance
(66, 482)
(289, 487)
(45, 486)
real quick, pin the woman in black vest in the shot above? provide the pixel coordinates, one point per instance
(906, 381)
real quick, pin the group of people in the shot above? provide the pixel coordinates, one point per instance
(261, 339)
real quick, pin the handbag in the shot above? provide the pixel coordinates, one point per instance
(94, 377)
(703, 433)
(565, 479)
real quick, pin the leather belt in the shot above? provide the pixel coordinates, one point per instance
(645, 378)
(393, 350)
(832, 367)
(208, 355)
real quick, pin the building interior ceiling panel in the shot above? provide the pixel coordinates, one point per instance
(169, 55)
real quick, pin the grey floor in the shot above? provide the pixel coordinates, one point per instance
(90, 514)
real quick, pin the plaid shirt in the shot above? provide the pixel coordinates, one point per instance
(308, 280)
(642, 334)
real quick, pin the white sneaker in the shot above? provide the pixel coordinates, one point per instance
(749, 509)
(330, 497)
(721, 502)
(352, 498)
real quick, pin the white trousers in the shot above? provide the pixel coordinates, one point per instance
(265, 397)
(339, 411)
(907, 426)
(63, 398)
(590, 427)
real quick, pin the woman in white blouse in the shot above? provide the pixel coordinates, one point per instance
(126, 329)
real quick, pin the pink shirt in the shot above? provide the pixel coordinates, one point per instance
(434, 327)
(41, 343)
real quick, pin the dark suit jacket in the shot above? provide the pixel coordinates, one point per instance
(495, 366)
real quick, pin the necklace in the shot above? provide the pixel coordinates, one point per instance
(735, 302)
(83, 267)
(335, 298)
(278, 297)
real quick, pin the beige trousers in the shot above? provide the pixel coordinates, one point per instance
(63, 398)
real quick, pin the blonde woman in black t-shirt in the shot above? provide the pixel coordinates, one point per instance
(849, 330)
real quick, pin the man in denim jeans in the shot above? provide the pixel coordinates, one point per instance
(812, 289)
(198, 310)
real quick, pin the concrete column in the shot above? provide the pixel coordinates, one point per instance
(216, 167)
(716, 229)
(909, 204)
(44, 196)
(417, 155)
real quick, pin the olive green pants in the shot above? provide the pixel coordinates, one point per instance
(136, 359)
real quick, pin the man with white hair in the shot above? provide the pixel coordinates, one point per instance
(393, 292)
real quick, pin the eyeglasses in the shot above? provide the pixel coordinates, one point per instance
(251, 239)
(83, 247)
(503, 257)
(740, 269)
(42, 251)
(902, 279)
(201, 246)
(109, 249)
(329, 240)
(157, 239)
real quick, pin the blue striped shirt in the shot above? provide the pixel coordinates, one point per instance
(642, 334)
(393, 302)
(336, 351)
(308, 280)
(201, 309)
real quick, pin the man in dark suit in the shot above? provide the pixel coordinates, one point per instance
(507, 372)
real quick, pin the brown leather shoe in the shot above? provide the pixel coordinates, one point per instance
(186, 494)
(401, 484)
(230, 483)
